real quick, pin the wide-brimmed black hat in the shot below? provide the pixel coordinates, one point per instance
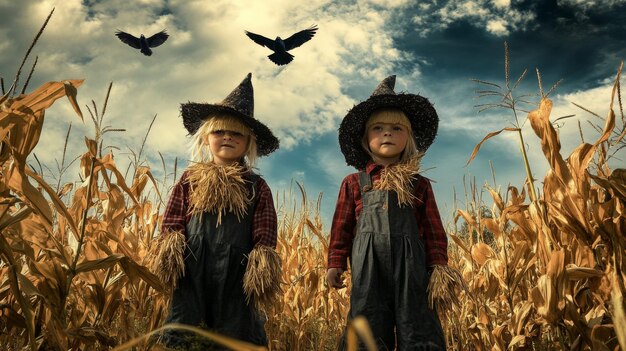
(420, 112)
(239, 103)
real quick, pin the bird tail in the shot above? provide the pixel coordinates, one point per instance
(146, 51)
(281, 59)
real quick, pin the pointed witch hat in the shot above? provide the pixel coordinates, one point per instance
(420, 112)
(239, 103)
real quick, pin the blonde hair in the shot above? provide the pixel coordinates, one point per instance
(200, 150)
(391, 116)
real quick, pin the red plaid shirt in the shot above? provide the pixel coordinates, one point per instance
(264, 223)
(349, 207)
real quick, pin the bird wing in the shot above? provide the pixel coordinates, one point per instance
(128, 39)
(261, 40)
(157, 39)
(300, 38)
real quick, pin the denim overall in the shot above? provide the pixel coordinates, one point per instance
(389, 275)
(210, 294)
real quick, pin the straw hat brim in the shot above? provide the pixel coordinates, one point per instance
(420, 112)
(194, 114)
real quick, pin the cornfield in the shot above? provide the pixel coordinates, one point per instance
(544, 272)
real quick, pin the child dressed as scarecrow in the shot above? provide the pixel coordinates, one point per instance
(219, 228)
(387, 223)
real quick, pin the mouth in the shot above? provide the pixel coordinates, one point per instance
(228, 146)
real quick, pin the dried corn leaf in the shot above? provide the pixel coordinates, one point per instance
(578, 273)
(14, 217)
(140, 181)
(361, 328)
(600, 335)
(471, 222)
(489, 136)
(12, 318)
(58, 203)
(67, 187)
(521, 251)
(517, 339)
(109, 164)
(27, 286)
(616, 182)
(113, 209)
(222, 340)
(493, 226)
(619, 316)
(579, 161)
(18, 182)
(481, 252)
(25, 304)
(517, 198)
(550, 144)
(136, 271)
(87, 266)
(497, 199)
(44, 96)
(521, 315)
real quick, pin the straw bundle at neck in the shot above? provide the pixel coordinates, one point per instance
(218, 189)
(399, 178)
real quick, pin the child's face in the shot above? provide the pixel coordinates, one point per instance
(227, 146)
(387, 141)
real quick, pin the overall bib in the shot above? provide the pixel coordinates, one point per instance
(210, 294)
(389, 275)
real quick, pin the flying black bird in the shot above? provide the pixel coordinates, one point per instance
(280, 46)
(142, 43)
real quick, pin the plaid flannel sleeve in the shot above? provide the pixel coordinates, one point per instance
(342, 229)
(431, 226)
(175, 215)
(264, 222)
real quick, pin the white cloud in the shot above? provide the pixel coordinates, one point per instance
(497, 27)
(592, 4)
(596, 100)
(502, 3)
(495, 16)
(206, 56)
(389, 3)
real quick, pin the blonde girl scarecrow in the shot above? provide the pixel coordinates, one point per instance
(219, 227)
(387, 224)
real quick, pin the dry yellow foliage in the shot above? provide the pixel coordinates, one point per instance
(73, 260)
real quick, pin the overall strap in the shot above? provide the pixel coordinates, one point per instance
(365, 182)
(253, 179)
(414, 183)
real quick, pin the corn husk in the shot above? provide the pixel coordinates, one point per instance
(261, 282)
(399, 178)
(168, 260)
(218, 189)
(442, 288)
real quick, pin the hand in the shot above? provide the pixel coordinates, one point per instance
(333, 277)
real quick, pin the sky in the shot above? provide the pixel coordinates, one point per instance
(435, 48)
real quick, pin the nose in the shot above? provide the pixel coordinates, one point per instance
(228, 136)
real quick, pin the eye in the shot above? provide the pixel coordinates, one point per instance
(397, 128)
(377, 127)
(236, 134)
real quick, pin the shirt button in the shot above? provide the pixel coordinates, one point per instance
(385, 206)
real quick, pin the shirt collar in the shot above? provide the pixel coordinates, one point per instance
(371, 167)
